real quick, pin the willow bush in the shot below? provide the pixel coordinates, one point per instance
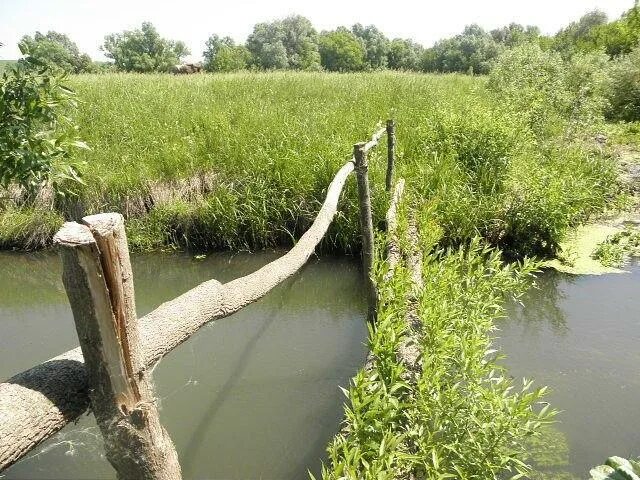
(37, 131)
(463, 417)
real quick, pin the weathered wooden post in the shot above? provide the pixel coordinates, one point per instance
(391, 152)
(366, 225)
(99, 283)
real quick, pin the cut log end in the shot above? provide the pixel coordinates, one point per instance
(73, 234)
(104, 224)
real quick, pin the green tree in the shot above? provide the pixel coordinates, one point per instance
(288, 43)
(301, 43)
(515, 34)
(231, 59)
(223, 55)
(553, 94)
(143, 50)
(624, 91)
(375, 43)
(581, 36)
(266, 46)
(37, 132)
(342, 51)
(57, 50)
(404, 54)
(621, 36)
(471, 51)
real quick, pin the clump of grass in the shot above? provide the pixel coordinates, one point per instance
(28, 228)
(617, 248)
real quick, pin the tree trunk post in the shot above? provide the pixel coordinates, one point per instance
(99, 283)
(366, 225)
(391, 152)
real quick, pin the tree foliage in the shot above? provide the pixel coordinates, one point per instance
(515, 34)
(288, 43)
(471, 51)
(552, 93)
(37, 133)
(342, 51)
(57, 50)
(223, 55)
(594, 32)
(375, 43)
(582, 35)
(624, 92)
(143, 50)
(404, 54)
(301, 43)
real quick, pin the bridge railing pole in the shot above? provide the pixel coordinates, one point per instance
(99, 283)
(391, 152)
(366, 225)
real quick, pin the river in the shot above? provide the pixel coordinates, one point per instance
(580, 335)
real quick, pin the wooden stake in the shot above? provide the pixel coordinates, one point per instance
(391, 151)
(366, 225)
(98, 280)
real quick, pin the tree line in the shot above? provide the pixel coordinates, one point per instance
(293, 43)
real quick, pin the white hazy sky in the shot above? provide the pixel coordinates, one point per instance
(192, 21)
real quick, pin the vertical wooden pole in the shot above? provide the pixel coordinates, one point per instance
(98, 280)
(366, 225)
(391, 152)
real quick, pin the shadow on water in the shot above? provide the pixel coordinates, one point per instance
(195, 444)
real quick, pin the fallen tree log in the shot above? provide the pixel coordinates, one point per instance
(37, 403)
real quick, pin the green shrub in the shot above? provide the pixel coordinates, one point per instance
(463, 418)
(554, 95)
(624, 93)
(37, 133)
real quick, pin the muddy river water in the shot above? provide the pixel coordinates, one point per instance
(254, 395)
(580, 335)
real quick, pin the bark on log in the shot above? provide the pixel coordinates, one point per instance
(393, 248)
(374, 139)
(37, 403)
(391, 152)
(99, 282)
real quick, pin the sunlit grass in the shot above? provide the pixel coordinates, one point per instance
(243, 160)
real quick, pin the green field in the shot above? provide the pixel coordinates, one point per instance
(243, 160)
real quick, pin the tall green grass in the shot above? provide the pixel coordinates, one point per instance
(243, 160)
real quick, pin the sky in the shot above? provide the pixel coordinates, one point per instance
(192, 21)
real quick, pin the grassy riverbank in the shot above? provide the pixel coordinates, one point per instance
(243, 160)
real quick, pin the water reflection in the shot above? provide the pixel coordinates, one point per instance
(580, 336)
(540, 305)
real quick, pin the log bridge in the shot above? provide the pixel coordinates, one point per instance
(110, 372)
